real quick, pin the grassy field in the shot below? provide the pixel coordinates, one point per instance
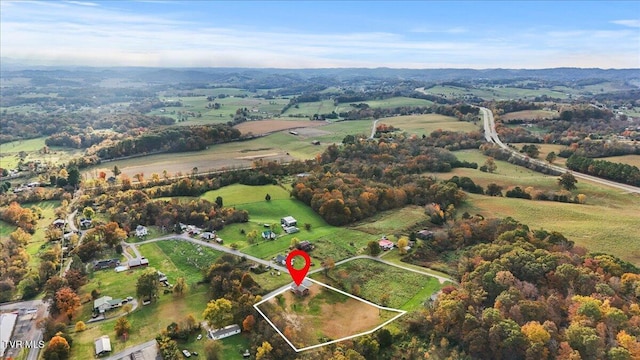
(625, 159)
(425, 124)
(397, 219)
(178, 258)
(600, 225)
(494, 93)
(398, 102)
(6, 228)
(241, 194)
(9, 152)
(405, 290)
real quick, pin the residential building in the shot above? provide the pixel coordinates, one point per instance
(288, 221)
(217, 334)
(103, 345)
(302, 289)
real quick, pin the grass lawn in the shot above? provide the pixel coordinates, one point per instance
(177, 258)
(6, 228)
(9, 152)
(530, 115)
(372, 281)
(398, 102)
(308, 109)
(238, 194)
(397, 219)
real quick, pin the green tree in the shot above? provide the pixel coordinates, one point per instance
(116, 171)
(122, 326)
(147, 285)
(219, 201)
(74, 176)
(252, 236)
(373, 248)
(567, 181)
(88, 212)
(267, 197)
(551, 157)
(494, 189)
(218, 313)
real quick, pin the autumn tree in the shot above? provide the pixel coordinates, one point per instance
(489, 165)
(180, 288)
(581, 198)
(67, 301)
(248, 323)
(127, 308)
(263, 350)
(122, 326)
(80, 326)
(327, 265)
(403, 242)
(218, 313)
(294, 243)
(58, 348)
(567, 181)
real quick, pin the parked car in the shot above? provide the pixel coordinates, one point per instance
(199, 337)
(186, 353)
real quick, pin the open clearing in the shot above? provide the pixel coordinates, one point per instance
(428, 123)
(633, 160)
(322, 317)
(602, 224)
(269, 126)
(530, 115)
(373, 281)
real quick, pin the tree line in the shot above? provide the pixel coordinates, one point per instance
(620, 172)
(172, 139)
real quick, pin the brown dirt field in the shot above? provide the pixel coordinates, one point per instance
(269, 126)
(361, 318)
(336, 320)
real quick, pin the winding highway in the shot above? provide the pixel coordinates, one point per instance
(491, 136)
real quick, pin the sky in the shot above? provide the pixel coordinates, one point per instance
(322, 34)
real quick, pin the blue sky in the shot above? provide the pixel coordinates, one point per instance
(306, 34)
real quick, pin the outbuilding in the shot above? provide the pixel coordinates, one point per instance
(225, 332)
(103, 345)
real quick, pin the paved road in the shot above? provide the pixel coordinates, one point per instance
(491, 135)
(214, 246)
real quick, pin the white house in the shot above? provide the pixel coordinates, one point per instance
(103, 345)
(217, 334)
(141, 231)
(288, 221)
(208, 235)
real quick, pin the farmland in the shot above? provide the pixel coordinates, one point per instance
(425, 124)
(382, 284)
(322, 315)
(530, 115)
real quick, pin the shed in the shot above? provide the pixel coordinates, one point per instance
(217, 334)
(305, 246)
(134, 263)
(281, 260)
(425, 234)
(103, 345)
(208, 235)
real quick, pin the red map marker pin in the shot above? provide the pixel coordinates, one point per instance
(298, 274)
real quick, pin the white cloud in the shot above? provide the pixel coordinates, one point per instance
(631, 23)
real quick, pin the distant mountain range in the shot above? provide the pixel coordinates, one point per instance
(264, 76)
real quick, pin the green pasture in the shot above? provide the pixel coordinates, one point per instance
(399, 101)
(238, 194)
(603, 227)
(406, 290)
(396, 220)
(177, 258)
